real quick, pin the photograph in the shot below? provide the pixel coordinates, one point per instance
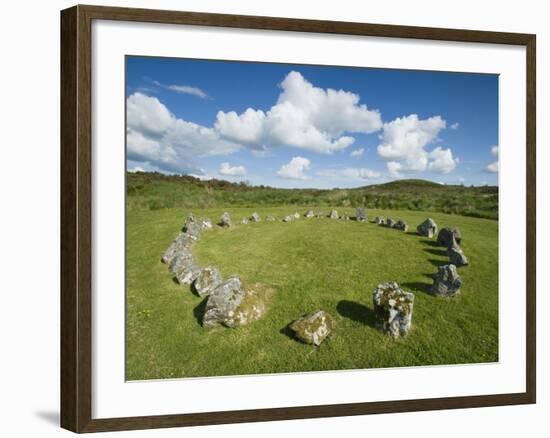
(292, 218)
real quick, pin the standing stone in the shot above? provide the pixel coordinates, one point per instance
(379, 220)
(309, 214)
(320, 215)
(333, 214)
(445, 236)
(360, 215)
(428, 228)
(180, 243)
(393, 309)
(270, 218)
(447, 282)
(208, 279)
(390, 222)
(288, 218)
(225, 220)
(456, 255)
(344, 217)
(244, 221)
(401, 225)
(313, 328)
(255, 217)
(229, 305)
(296, 215)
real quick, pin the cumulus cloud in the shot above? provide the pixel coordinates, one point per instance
(357, 152)
(304, 116)
(441, 160)
(183, 89)
(361, 173)
(228, 170)
(455, 126)
(404, 141)
(493, 167)
(394, 168)
(295, 169)
(155, 136)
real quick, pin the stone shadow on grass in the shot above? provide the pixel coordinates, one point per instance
(430, 242)
(288, 332)
(356, 312)
(438, 252)
(417, 286)
(438, 263)
(198, 311)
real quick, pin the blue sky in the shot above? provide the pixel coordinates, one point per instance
(289, 125)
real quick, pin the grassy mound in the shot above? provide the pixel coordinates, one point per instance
(308, 264)
(154, 191)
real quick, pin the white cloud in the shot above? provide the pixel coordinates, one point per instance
(295, 169)
(357, 152)
(228, 170)
(442, 160)
(361, 173)
(136, 169)
(455, 126)
(394, 168)
(493, 167)
(461, 180)
(155, 136)
(404, 141)
(304, 116)
(184, 89)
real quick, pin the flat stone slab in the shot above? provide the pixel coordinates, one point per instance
(393, 309)
(313, 328)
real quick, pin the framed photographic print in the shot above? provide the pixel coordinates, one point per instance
(268, 218)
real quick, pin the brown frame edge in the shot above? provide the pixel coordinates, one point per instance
(76, 222)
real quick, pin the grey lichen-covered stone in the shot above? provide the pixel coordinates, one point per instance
(230, 305)
(208, 279)
(390, 222)
(379, 220)
(296, 215)
(192, 228)
(255, 217)
(344, 217)
(244, 221)
(225, 220)
(333, 214)
(447, 282)
(270, 218)
(309, 214)
(428, 228)
(456, 255)
(446, 235)
(361, 215)
(205, 223)
(401, 225)
(313, 328)
(288, 218)
(393, 309)
(182, 241)
(184, 268)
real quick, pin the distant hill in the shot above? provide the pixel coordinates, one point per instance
(151, 190)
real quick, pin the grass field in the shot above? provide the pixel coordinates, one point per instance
(309, 264)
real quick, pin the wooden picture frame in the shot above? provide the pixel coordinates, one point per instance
(76, 217)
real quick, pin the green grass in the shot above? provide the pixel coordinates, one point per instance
(310, 264)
